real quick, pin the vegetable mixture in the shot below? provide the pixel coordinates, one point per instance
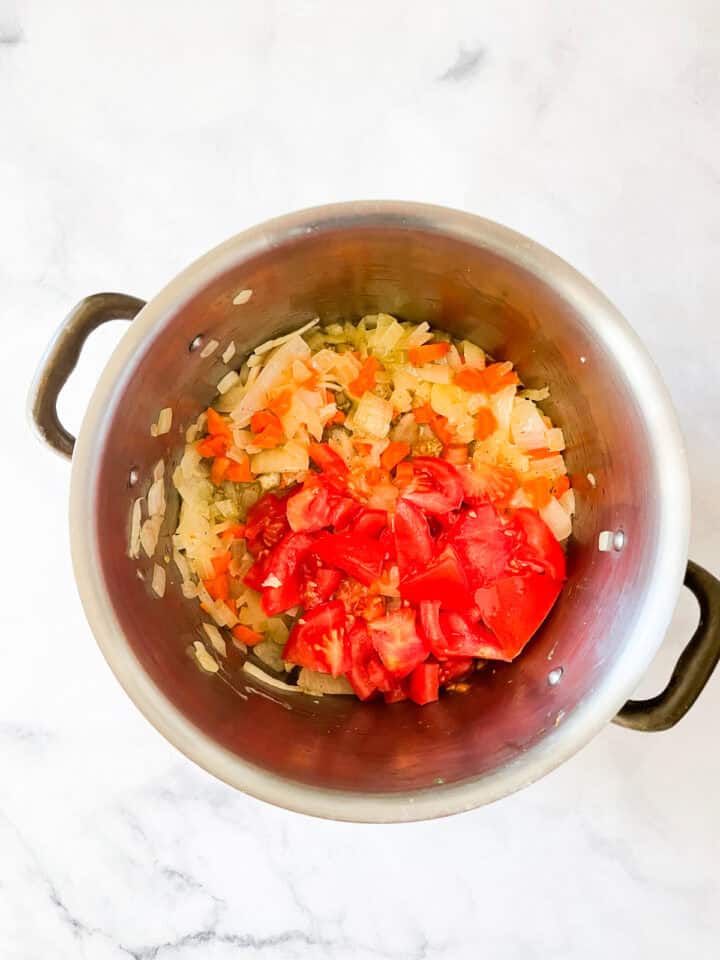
(376, 504)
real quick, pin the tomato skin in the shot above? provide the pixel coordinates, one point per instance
(311, 508)
(455, 668)
(443, 580)
(266, 523)
(397, 642)
(462, 638)
(413, 543)
(429, 615)
(436, 487)
(514, 608)
(481, 542)
(283, 563)
(361, 651)
(424, 683)
(256, 574)
(537, 544)
(317, 583)
(360, 557)
(369, 523)
(319, 641)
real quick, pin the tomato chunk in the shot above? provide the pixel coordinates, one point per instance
(281, 586)
(462, 638)
(443, 580)
(480, 540)
(538, 546)
(266, 523)
(424, 683)
(413, 543)
(359, 556)
(312, 507)
(369, 523)
(318, 640)
(397, 642)
(318, 583)
(330, 462)
(436, 487)
(515, 607)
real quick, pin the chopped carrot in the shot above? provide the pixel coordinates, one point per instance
(470, 379)
(329, 396)
(485, 423)
(362, 446)
(393, 454)
(239, 471)
(499, 375)
(217, 426)
(231, 604)
(221, 562)
(312, 380)
(539, 453)
(538, 490)
(427, 353)
(262, 419)
(365, 380)
(245, 635)
(404, 473)
(212, 447)
(236, 531)
(280, 403)
(424, 413)
(456, 453)
(219, 469)
(439, 426)
(337, 417)
(218, 586)
(375, 476)
(561, 485)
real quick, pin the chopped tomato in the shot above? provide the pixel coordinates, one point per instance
(246, 635)
(538, 549)
(312, 507)
(397, 642)
(427, 353)
(218, 470)
(484, 481)
(239, 470)
(256, 574)
(266, 523)
(480, 539)
(212, 447)
(514, 608)
(346, 509)
(424, 683)
(359, 556)
(455, 668)
(443, 579)
(318, 584)
(329, 461)
(369, 523)
(217, 426)
(365, 380)
(318, 640)
(360, 601)
(485, 423)
(379, 675)
(282, 567)
(397, 693)
(436, 487)
(413, 543)
(393, 454)
(463, 638)
(429, 615)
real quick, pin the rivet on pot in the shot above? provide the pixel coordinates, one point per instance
(618, 540)
(133, 476)
(554, 677)
(195, 343)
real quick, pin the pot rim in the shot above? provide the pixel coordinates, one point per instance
(653, 611)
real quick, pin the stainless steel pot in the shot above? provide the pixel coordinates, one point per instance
(337, 757)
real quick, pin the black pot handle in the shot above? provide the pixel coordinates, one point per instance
(694, 667)
(62, 355)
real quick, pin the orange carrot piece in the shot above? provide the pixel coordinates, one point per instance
(375, 476)
(218, 586)
(217, 426)
(365, 380)
(280, 403)
(262, 419)
(427, 353)
(456, 453)
(218, 470)
(235, 531)
(470, 379)
(337, 417)
(499, 375)
(538, 490)
(221, 562)
(212, 447)
(561, 485)
(439, 426)
(245, 635)
(394, 453)
(485, 423)
(404, 473)
(424, 413)
(239, 471)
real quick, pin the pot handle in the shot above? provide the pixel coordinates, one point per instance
(61, 356)
(694, 667)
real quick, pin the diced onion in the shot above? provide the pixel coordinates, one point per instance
(254, 671)
(158, 580)
(150, 533)
(215, 638)
(527, 425)
(473, 355)
(229, 380)
(317, 684)
(242, 297)
(205, 659)
(229, 352)
(567, 502)
(164, 421)
(209, 348)
(555, 439)
(135, 525)
(156, 498)
(373, 415)
(159, 470)
(557, 519)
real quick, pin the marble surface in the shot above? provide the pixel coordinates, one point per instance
(134, 137)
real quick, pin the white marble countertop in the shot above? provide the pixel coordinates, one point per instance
(134, 137)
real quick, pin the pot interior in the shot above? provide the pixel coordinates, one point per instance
(417, 273)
